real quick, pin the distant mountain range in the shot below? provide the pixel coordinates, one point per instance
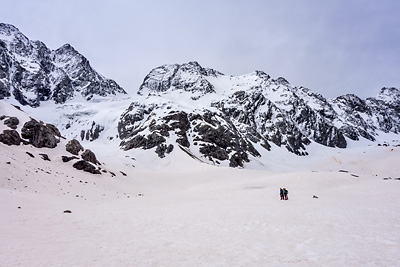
(214, 118)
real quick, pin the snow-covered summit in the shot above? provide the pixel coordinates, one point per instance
(190, 77)
(236, 119)
(32, 73)
(389, 95)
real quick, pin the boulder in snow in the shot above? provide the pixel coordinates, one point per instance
(74, 147)
(10, 137)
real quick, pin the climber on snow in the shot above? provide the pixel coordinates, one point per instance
(284, 193)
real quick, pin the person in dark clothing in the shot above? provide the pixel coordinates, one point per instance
(285, 192)
(281, 192)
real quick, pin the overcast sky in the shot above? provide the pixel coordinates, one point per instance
(332, 47)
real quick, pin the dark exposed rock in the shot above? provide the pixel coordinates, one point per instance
(40, 135)
(162, 149)
(135, 113)
(124, 174)
(214, 152)
(67, 159)
(238, 159)
(30, 154)
(10, 137)
(53, 129)
(86, 166)
(145, 142)
(217, 141)
(88, 155)
(12, 122)
(74, 147)
(45, 157)
(93, 133)
(67, 211)
(179, 123)
(256, 118)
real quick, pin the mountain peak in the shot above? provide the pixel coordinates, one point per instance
(190, 77)
(230, 120)
(389, 94)
(38, 74)
(262, 74)
(12, 36)
(66, 48)
(8, 29)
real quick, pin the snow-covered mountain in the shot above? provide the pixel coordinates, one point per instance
(147, 190)
(214, 118)
(234, 119)
(32, 73)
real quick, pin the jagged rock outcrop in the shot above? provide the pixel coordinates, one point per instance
(40, 134)
(86, 166)
(45, 156)
(88, 155)
(93, 133)
(10, 137)
(12, 122)
(74, 147)
(68, 159)
(231, 119)
(32, 73)
(189, 77)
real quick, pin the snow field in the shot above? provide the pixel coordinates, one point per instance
(198, 215)
(181, 212)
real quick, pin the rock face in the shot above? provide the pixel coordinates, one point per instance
(93, 133)
(232, 119)
(74, 147)
(68, 159)
(86, 166)
(12, 122)
(88, 155)
(40, 134)
(32, 73)
(10, 137)
(188, 77)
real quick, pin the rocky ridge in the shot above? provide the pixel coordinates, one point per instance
(32, 73)
(219, 118)
(215, 118)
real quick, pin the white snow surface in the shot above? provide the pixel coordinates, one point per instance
(181, 212)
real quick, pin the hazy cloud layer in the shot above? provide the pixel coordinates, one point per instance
(332, 47)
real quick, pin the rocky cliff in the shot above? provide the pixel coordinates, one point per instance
(31, 73)
(221, 118)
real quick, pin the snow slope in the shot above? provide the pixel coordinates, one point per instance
(183, 212)
(193, 214)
